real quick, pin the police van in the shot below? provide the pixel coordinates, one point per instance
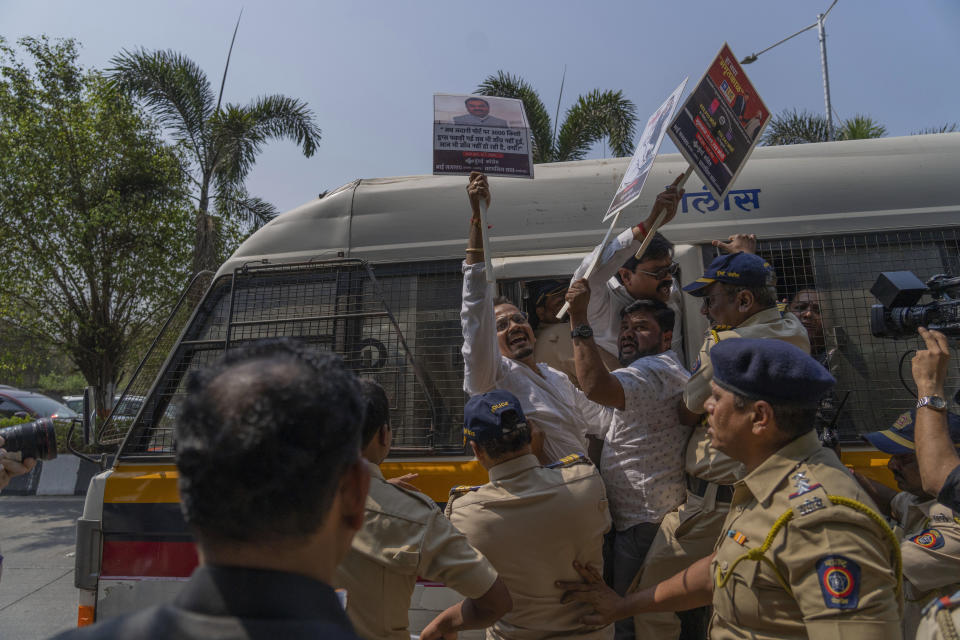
(372, 271)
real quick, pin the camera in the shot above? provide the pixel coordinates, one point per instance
(899, 315)
(37, 439)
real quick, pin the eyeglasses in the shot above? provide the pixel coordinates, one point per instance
(661, 273)
(504, 321)
(710, 300)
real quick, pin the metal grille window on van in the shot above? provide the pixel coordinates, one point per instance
(841, 270)
(400, 327)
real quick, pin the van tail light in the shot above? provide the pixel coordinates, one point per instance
(84, 616)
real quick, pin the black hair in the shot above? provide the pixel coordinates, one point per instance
(475, 98)
(499, 300)
(517, 437)
(663, 314)
(794, 420)
(263, 439)
(378, 409)
(658, 249)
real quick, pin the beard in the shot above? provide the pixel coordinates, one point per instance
(626, 359)
(524, 352)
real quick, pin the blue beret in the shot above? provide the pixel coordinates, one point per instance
(769, 369)
(745, 269)
(899, 437)
(483, 413)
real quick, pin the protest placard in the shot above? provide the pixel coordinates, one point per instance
(720, 123)
(646, 152)
(480, 133)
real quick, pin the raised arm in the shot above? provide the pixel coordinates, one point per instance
(481, 355)
(618, 250)
(935, 452)
(598, 384)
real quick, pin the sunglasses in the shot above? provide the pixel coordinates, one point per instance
(661, 273)
(504, 321)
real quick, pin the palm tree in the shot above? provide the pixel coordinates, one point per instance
(798, 127)
(860, 127)
(595, 116)
(221, 141)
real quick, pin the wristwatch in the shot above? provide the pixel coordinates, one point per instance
(932, 402)
(583, 331)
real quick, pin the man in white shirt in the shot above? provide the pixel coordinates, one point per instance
(497, 352)
(641, 462)
(620, 278)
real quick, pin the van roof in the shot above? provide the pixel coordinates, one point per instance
(784, 191)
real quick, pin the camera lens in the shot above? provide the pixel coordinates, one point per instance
(37, 439)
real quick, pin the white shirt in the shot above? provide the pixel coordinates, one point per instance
(642, 463)
(551, 401)
(608, 297)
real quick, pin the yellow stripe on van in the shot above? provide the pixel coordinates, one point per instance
(142, 483)
(436, 477)
(871, 463)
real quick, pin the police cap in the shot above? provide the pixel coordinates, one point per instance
(899, 437)
(743, 269)
(769, 369)
(483, 415)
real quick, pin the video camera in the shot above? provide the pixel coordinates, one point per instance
(899, 315)
(37, 439)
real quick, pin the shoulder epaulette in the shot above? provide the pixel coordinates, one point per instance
(946, 602)
(463, 489)
(569, 461)
(807, 495)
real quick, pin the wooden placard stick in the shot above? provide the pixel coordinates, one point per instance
(487, 260)
(596, 259)
(656, 225)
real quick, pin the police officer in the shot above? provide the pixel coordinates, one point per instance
(803, 554)
(929, 532)
(405, 535)
(739, 298)
(941, 619)
(530, 520)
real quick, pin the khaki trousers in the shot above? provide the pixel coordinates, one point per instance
(686, 535)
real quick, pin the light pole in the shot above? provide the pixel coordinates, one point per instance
(823, 61)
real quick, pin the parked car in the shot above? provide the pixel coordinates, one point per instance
(14, 402)
(128, 408)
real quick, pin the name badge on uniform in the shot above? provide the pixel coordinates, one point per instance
(839, 582)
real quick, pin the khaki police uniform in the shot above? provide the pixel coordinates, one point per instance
(930, 547)
(797, 561)
(404, 535)
(532, 522)
(690, 532)
(941, 619)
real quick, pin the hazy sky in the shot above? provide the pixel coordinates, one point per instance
(369, 68)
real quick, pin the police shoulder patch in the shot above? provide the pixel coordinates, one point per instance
(569, 461)
(929, 539)
(463, 489)
(839, 579)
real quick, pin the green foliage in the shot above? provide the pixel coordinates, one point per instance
(97, 221)
(798, 127)
(9, 422)
(221, 142)
(950, 127)
(595, 116)
(860, 127)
